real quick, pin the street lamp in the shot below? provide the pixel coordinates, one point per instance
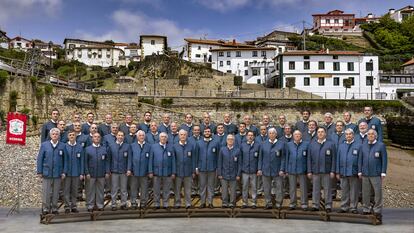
(372, 78)
(50, 54)
(265, 75)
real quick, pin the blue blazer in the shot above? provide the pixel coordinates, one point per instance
(162, 161)
(228, 163)
(347, 159)
(249, 157)
(74, 160)
(185, 158)
(272, 158)
(97, 161)
(139, 160)
(44, 135)
(118, 157)
(151, 138)
(374, 123)
(51, 160)
(321, 159)
(372, 160)
(207, 154)
(297, 158)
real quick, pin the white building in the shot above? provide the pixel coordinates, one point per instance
(4, 40)
(198, 50)
(335, 23)
(253, 64)
(401, 14)
(48, 49)
(394, 85)
(152, 44)
(20, 43)
(323, 72)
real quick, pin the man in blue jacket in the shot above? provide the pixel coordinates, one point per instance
(249, 159)
(347, 172)
(372, 168)
(152, 136)
(372, 121)
(321, 168)
(348, 122)
(118, 153)
(271, 166)
(228, 171)
(185, 165)
(229, 127)
(338, 137)
(247, 120)
(90, 117)
(173, 136)
(165, 124)
(74, 160)
(220, 134)
(138, 170)
(207, 153)
(241, 135)
(51, 167)
(126, 125)
(361, 136)
(302, 125)
(162, 168)
(145, 126)
(262, 137)
(188, 124)
(105, 127)
(310, 133)
(96, 170)
(63, 133)
(52, 123)
(131, 136)
(296, 168)
(207, 124)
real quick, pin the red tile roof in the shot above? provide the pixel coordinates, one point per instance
(307, 52)
(217, 42)
(244, 49)
(408, 63)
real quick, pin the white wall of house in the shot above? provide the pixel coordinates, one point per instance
(21, 44)
(199, 53)
(94, 56)
(152, 45)
(327, 82)
(254, 65)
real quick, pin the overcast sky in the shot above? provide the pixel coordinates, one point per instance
(125, 20)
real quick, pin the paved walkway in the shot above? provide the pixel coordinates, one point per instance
(395, 220)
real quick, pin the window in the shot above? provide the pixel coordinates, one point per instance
(99, 55)
(108, 55)
(71, 46)
(350, 66)
(369, 66)
(238, 54)
(79, 55)
(263, 53)
(221, 54)
(228, 63)
(246, 63)
(199, 47)
(369, 81)
(152, 42)
(259, 81)
(321, 65)
(335, 57)
(306, 57)
(336, 81)
(228, 54)
(198, 55)
(336, 20)
(229, 71)
(254, 53)
(266, 71)
(306, 65)
(321, 81)
(306, 81)
(255, 72)
(246, 72)
(328, 21)
(221, 63)
(291, 65)
(352, 81)
(336, 66)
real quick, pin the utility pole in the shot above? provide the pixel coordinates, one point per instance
(304, 35)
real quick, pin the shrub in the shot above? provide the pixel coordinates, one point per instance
(166, 103)
(146, 100)
(13, 100)
(39, 92)
(48, 89)
(4, 76)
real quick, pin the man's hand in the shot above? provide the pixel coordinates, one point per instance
(220, 177)
(332, 175)
(338, 176)
(129, 173)
(281, 173)
(151, 175)
(40, 175)
(360, 175)
(259, 173)
(310, 175)
(81, 177)
(63, 176)
(238, 178)
(88, 177)
(173, 176)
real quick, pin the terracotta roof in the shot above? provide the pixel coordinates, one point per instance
(244, 49)
(217, 42)
(334, 12)
(408, 63)
(132, 47)
(97, 47)
(88, 41)
(121, 44)
(19, 37)
(307, 52)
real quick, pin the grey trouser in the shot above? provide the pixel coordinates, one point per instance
(50, 195)
(119, 182)
(207, 185)
(166, 186)
(350, 192)
(71, 189)
(95, 192)
(267, 188)
(246, 180)
(324, 181)
(259, 184)
(303, 184)
(375, 183)
(187, 190)
(139, 183)
(226, 186)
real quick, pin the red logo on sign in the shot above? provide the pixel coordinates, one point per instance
(16, 128)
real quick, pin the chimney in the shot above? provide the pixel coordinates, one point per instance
(391, 11)
(234, 41)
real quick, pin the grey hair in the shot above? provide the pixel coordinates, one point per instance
(54, 130)
(272, 130)
(230, 136)
(375, 132)
(328, 114)
(183, 131)
(164, 133)
(140, 132)
(349, 130)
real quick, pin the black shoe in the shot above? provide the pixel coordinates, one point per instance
(44, 212)
(74, 210)
(101, 209)
(67, 211)
(113, 208)
(134, 206)
(254, 206)
(292, 208)
(224, 206)
(268, 207)
(231, 206)
(210, 206)
(55, 212)
(328, 210)
(244, 206)
(314, 209)
(354, 211)
(188, 207)
(304, 209)
(177, 207)
(366, 213)
(157, 207)
(341, 211)
(124, 207)
(90, 210)
(202, 206)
